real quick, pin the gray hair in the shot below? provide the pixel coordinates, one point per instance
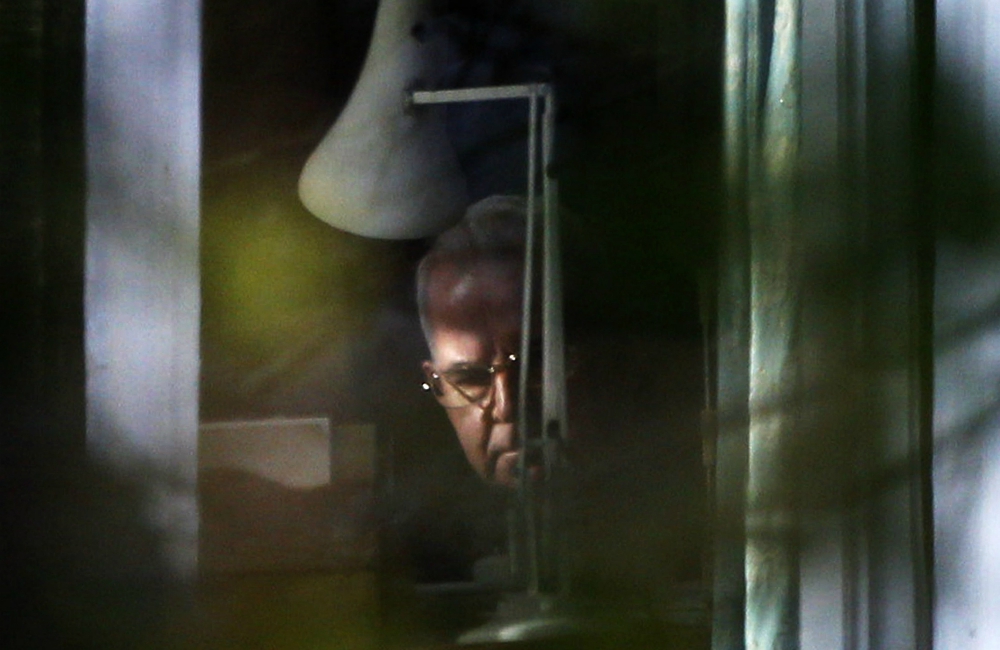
(492, 229)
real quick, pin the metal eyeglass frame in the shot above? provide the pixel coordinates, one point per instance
(511, 361)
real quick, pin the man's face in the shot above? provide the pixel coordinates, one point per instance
(474, 310)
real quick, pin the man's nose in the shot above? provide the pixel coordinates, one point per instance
(504, 397)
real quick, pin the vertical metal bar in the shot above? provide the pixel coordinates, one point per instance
(553, 366)
(526, 489)
(529, 275)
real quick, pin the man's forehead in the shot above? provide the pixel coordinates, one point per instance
(474, 295)
(457, 280)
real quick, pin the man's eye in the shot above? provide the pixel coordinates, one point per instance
(473, 377)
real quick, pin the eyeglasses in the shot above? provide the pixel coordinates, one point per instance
(468, 384)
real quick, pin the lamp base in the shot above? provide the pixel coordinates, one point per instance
(528, 617)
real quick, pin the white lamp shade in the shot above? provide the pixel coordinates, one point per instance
(384, 170)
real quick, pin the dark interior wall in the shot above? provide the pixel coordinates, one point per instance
(41, 246)
(41, 135)
(287, 299)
